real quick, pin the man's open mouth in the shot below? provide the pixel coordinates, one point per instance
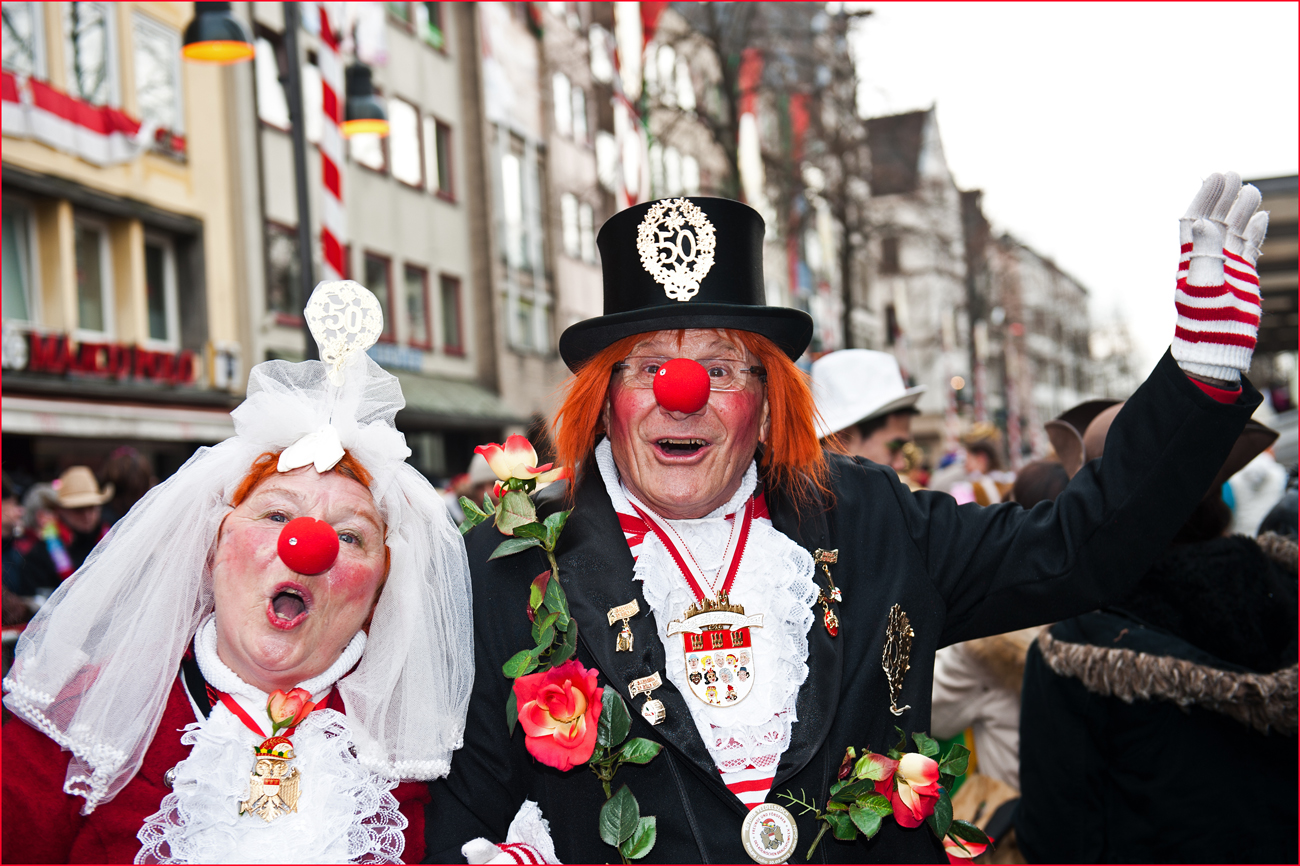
(680, 447)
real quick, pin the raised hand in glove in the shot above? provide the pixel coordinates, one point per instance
(1217, 296)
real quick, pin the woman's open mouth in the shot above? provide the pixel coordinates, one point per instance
(288, 607)
(680, 447)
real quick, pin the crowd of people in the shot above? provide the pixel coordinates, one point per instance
(734, 582)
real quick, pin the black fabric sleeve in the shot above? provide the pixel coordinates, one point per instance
(1002, 568)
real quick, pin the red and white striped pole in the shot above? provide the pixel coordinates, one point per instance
(333, 218)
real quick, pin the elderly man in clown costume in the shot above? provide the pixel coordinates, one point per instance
(706, 518)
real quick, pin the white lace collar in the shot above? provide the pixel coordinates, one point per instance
(346, 813)
(776, 579)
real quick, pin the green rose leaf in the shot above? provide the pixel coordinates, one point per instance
(544, 630)
(521, 663)
(554, 526)
(614, 721)
(866, 820)
(850, 793)
(838, 785)
(639, 750)
(488, 506)
(956, 760)
(967, 832)
(537, 589)
(926, 745)
(514, 510)
(557, 601)
(619, 817)
(512, 711)
(512, 546)
(877, 803)
(531, 530)
(564, 650)
(842, 826)
(641, 841)
(941, 818)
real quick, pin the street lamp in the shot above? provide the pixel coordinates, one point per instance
(363, 113)
(215, 36)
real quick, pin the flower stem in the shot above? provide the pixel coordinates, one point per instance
(820, 834)
(555, 568)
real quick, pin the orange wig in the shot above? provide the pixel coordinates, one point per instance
(793, 459)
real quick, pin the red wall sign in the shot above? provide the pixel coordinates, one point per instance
(55, 353)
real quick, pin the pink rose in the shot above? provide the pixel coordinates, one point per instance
(913, 790)
(516, 459)
(959, 856)
(558, 710)
(287, 710)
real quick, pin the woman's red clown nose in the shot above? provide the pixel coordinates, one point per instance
(308, 546)
(682, 385)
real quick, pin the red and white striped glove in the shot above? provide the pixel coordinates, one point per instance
(1217, 295)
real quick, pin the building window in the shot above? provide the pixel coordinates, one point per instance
(284, 273)
(889, 255)
(569, 225)
(417, 307)
(24, 39)
(579, 115)
(89, 48)
(428, 24)
(94, 276)
(272, 105)
(512, 193)
(690, 175)
(379, 271)
(18, 245)
(673, 171)
(404, 141)
(158, 73)
(892, 331)
(586, 233)
(437, 157)
(160, 289)
(563, 97)
(453, 340)
(313, 100)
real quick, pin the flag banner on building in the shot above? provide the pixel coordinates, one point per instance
(99, 134)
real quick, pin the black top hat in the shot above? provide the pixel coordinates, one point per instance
(684, 263)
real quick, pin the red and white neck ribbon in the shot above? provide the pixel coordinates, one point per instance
(695, 578)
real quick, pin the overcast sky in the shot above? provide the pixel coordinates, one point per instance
(1089, 126)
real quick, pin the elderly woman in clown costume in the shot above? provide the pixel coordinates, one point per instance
(701, 496)
(267, 657)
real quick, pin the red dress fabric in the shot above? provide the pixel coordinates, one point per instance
(42, 824)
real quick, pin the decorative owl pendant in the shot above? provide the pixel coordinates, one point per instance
(273, 786)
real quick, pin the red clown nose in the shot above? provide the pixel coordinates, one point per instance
(308, 545)
(682, 385)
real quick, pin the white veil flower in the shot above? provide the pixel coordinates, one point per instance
(94, 667)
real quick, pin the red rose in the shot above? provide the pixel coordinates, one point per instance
(913, 789)
(558, 710)
(287, 710)
(957, 854)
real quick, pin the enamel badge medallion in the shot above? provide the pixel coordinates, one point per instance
(719, 650)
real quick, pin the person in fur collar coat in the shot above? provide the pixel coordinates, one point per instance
(1163, 728)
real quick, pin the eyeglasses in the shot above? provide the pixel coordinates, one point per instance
(725, 374)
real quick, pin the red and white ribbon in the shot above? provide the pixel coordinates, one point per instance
(99, 134)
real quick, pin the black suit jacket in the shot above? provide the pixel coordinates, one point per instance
(959, 572)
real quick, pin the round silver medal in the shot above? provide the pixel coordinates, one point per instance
(769, 834)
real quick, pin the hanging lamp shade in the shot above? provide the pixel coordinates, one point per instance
(216, 36)
(363, 111)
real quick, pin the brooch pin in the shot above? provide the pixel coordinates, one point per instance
(653, 709)
(273, 786)
(898, 650)
(624, 612)
(827, 558)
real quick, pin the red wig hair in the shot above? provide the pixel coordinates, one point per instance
(793, 459)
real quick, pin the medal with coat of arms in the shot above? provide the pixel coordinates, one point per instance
(718, 647)
(273, 786)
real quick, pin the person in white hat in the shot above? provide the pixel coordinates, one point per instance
(864, 402)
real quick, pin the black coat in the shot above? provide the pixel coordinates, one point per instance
(1136, 717)
(958, 572)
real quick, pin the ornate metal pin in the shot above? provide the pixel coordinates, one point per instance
(624, 612)
(827, 558)
(896, 661)
(653, 709)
